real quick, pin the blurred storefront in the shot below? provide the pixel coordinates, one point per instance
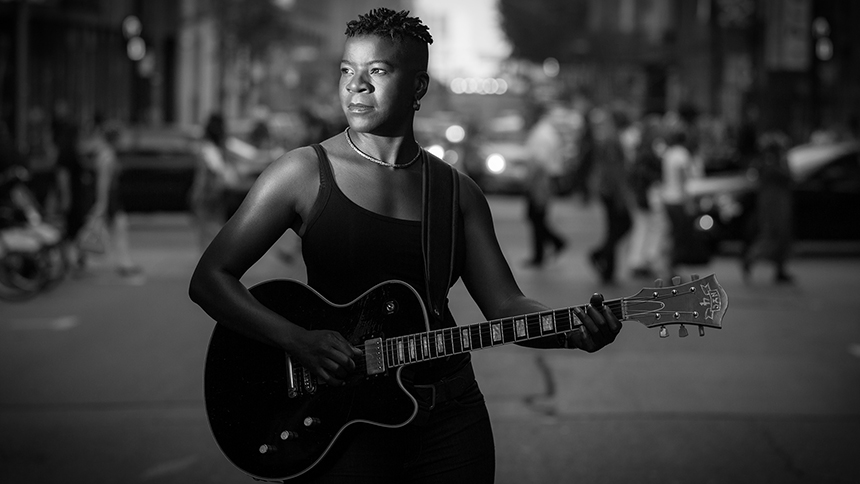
(112, 57)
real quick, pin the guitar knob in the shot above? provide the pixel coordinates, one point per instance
(664, 333)
(682, 332)
(311, 421)
(289, 435)
(266, 449)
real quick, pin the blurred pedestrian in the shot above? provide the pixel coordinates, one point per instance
(108, 211)
(649, 221)
(42, 161)
(546, 151)
(611, 186)
(678, 166)
(774, 212)
(213, 177)
(357, 201)
(76, 193)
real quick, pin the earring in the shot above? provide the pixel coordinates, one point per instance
(416, 104)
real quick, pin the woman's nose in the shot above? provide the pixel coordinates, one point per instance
(357, 84)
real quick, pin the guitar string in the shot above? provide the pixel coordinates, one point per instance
(448, 334)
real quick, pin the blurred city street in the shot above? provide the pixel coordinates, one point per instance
(102, 377)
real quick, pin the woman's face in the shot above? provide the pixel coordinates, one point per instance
(377, 85)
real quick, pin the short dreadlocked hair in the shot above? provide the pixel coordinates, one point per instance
(385, 22)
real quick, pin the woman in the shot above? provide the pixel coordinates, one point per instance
(213, 176)
(357, 205)
(107, 211)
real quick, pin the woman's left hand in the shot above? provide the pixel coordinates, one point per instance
(599, 327)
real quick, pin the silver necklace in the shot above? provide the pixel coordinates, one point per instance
(377, 160)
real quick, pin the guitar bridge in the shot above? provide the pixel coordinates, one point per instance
(373, 357)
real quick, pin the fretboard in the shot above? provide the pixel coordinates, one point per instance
(418, 347)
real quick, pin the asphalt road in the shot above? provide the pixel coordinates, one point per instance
(101, 378)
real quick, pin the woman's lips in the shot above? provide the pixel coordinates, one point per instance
(359, 108)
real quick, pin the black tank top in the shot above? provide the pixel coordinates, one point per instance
(348, 249)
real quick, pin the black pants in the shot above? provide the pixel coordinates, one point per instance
(542, 234)
(618, 223)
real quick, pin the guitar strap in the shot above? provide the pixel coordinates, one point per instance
(439, 221)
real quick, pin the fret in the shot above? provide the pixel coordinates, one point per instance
(425, 346)
(547, 324)
(487, 335)
(440, 343)
(532, 326)
(496, 333)
(520, 329)
(413, 352)
(573, 318)
(401, 354)
(507, 330)
(475, 336)
(456, 343)
(466, 339)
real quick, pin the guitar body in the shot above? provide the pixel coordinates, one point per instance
(275, 428)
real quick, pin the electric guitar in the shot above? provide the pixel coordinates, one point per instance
(274, 421)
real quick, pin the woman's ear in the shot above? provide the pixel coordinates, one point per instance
(422, 83)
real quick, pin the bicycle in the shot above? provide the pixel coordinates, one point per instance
(32, 255)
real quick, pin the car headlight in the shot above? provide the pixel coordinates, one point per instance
(496, 163)
(705, 223)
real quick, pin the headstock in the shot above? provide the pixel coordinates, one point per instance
(700, 302)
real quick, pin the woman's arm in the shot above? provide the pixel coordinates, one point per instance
(283, 192)
(489, 280)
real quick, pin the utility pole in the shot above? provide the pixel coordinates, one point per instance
(22, 54)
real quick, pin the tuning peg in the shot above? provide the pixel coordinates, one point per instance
(701, 330)
(676, 280)
(694, 277)
(664, 333)
(682, 331)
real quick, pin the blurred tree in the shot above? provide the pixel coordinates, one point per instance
(248, 31)
(538, 29)
(253, 25)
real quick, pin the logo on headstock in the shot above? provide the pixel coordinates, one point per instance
(711, 301)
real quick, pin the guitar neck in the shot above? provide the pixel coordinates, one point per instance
(431, 345)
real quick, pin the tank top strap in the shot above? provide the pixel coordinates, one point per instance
(326, 183)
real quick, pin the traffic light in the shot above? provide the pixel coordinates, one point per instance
(135, 46)
(821, 34)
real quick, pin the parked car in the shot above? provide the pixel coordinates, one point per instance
(826, 192)
(501, 158)
(449, 136)
(158, 166)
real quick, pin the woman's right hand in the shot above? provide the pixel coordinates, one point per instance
(328, 355)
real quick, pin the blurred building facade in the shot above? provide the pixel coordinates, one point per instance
(796, 61)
